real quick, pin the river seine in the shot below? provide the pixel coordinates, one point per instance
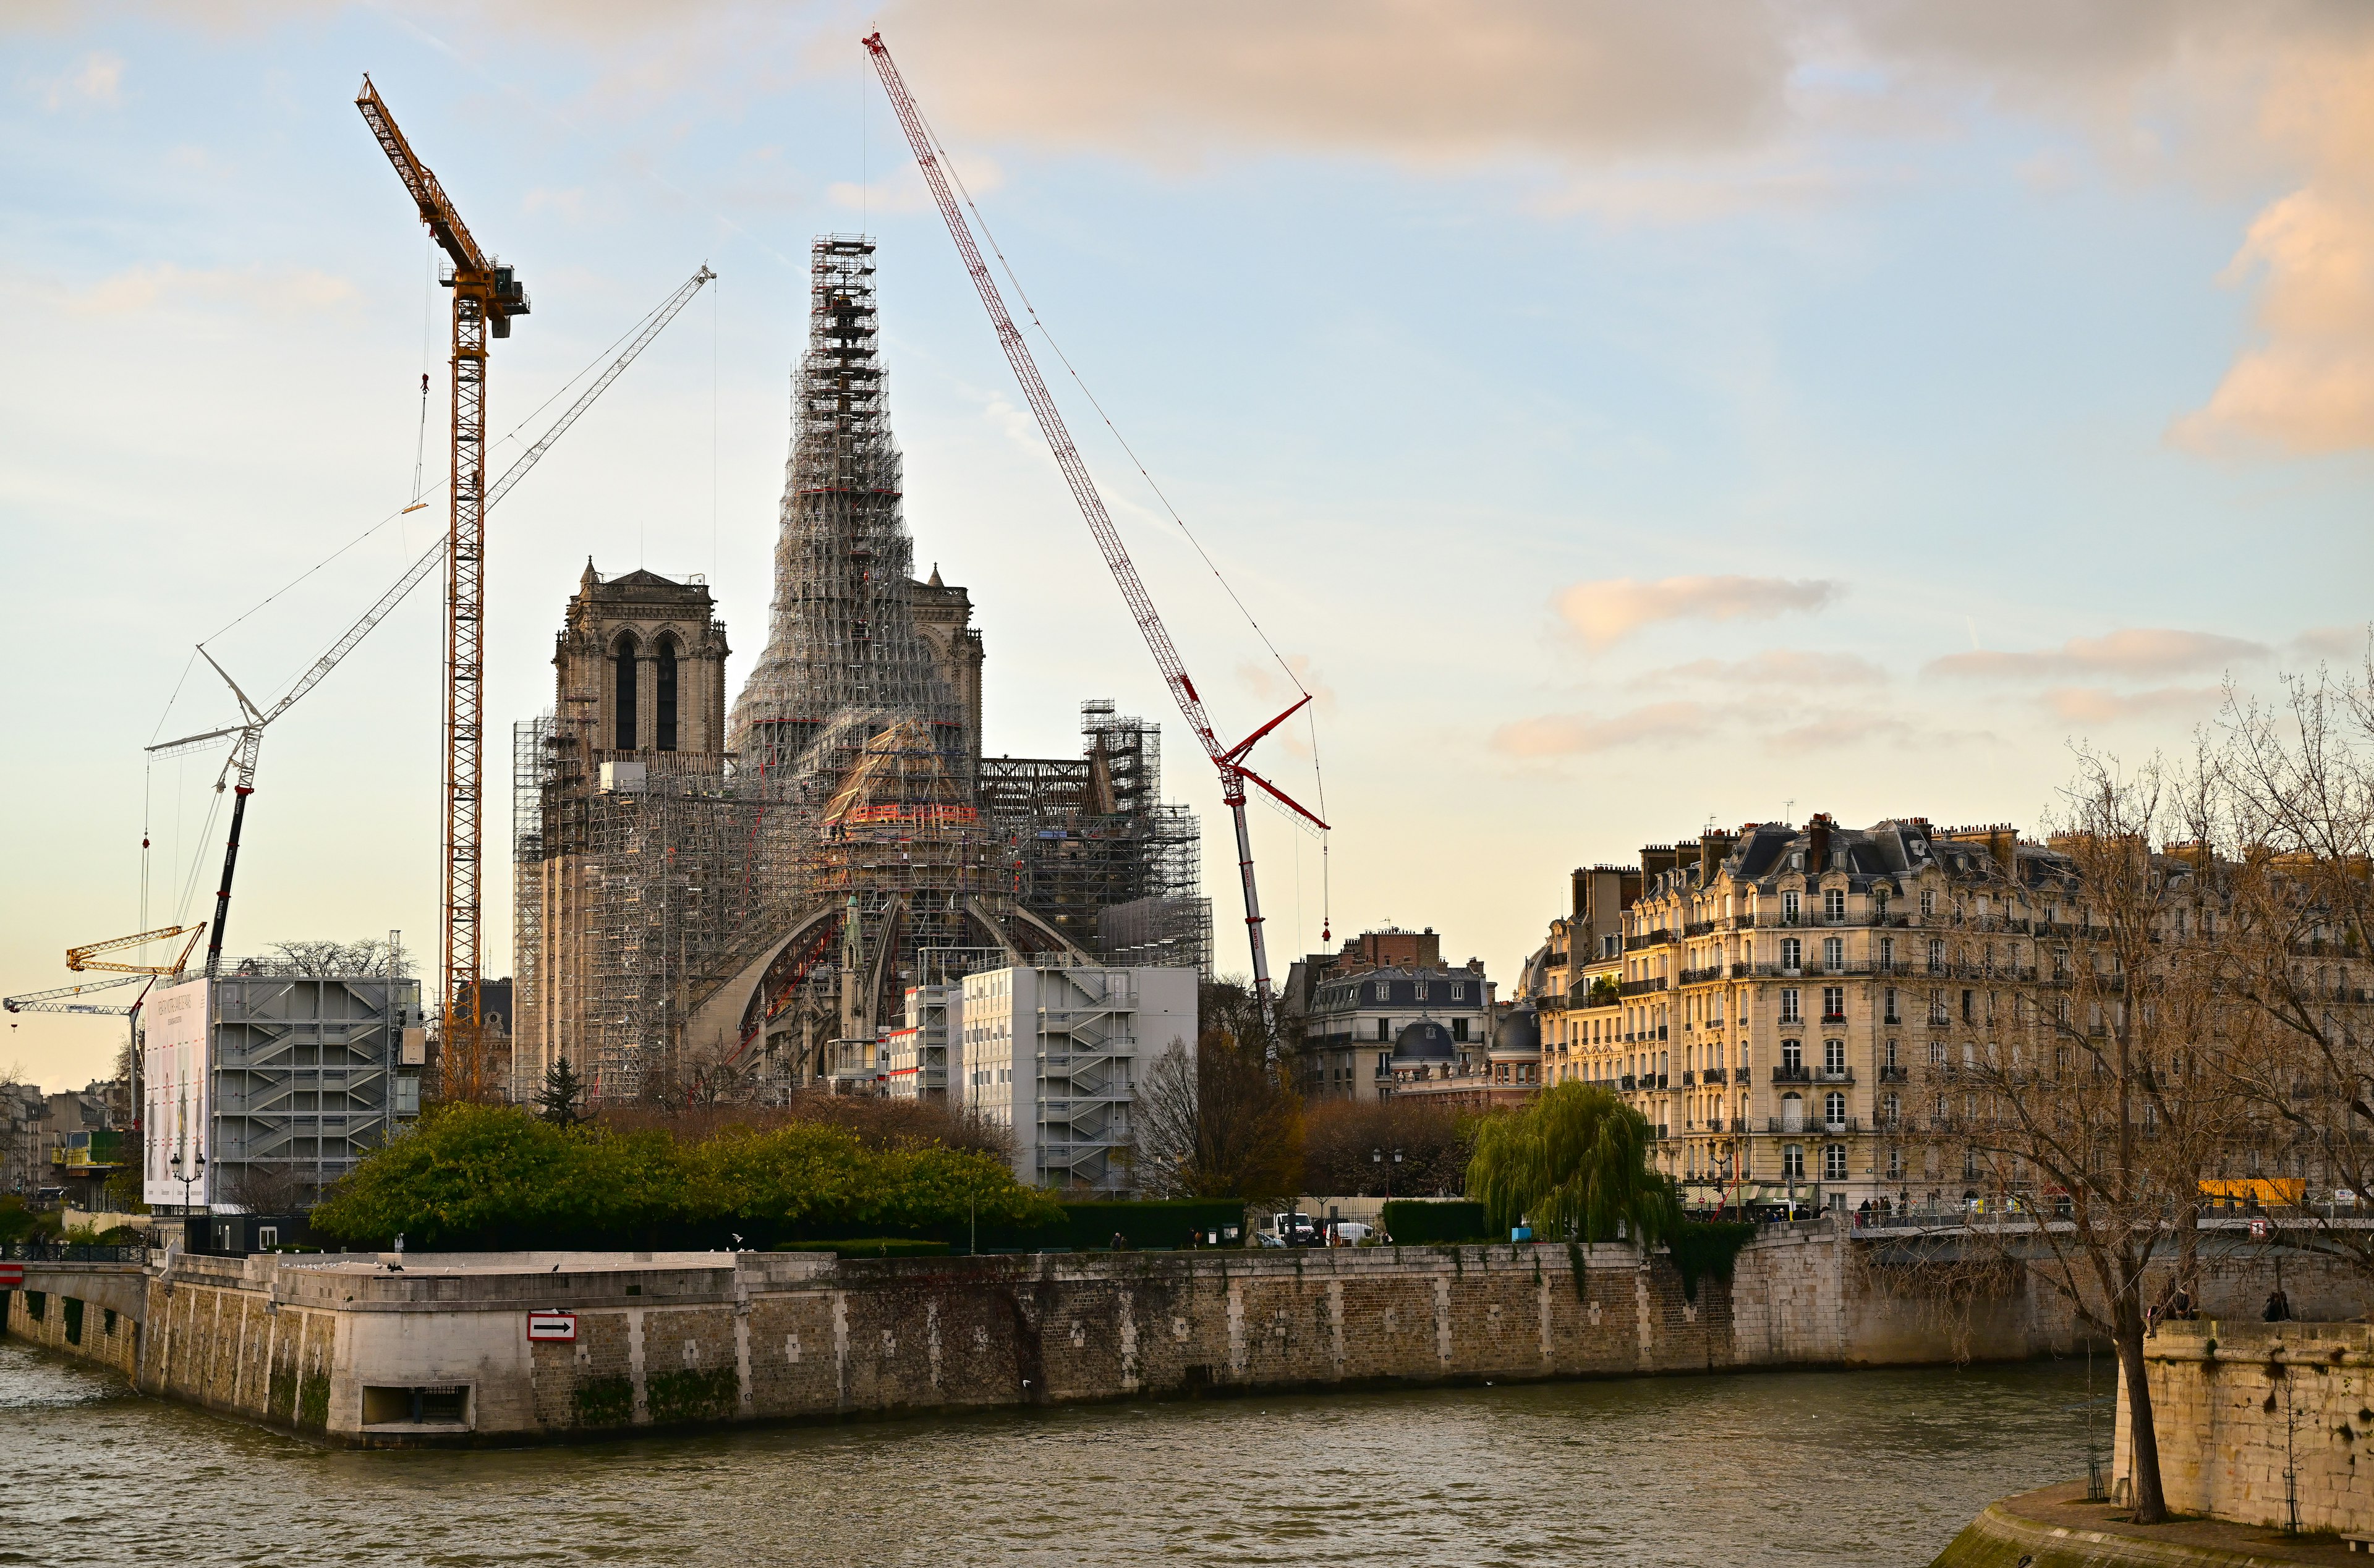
(1879, 1467)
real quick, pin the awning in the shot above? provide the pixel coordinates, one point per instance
(2280, 1191)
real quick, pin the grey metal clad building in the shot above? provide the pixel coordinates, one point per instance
(310, 1072)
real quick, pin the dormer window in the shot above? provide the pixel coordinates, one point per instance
(1797, 860)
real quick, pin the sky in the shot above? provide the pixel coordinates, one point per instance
(1620, 417)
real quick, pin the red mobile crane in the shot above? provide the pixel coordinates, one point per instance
(1228, 760)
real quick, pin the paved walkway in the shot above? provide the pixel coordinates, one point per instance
(2056, 1528)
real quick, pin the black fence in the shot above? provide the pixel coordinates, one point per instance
(70, 1252)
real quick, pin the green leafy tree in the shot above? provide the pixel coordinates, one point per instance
(1575, 1163)
(561, 1101)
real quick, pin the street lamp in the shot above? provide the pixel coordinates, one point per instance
(1377, 1157)
(188, 1175)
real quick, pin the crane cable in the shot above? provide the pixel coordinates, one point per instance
(1032, 311)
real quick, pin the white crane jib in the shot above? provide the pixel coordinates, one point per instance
(239, 768)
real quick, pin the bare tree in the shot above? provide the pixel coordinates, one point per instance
(1219, 1122)
(2078, 1097)
(2298, 778)
(375, 959)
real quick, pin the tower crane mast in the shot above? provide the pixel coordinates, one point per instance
(1228, 760)
(486, 296)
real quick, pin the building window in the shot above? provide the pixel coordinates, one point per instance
(1792, 1055)
(1789, 908)
(1891, 1108)
(1834, 1161)
(1793, 1162)
(664, 719)
(1834, 1002)
(1928, 903)
(1937, 1008)
(1421, 991)
(1894, 1164)
(1891, 1053)
(1890, 1016)
(1834, 1111)
(1791, 952)
(1834, 953)
(623, 703)
(1458, 991)
(1834, 1055)
(1789, 1013)
(1887, 953)
(1834, 903)
(1459, 1028)
(1384, 1028)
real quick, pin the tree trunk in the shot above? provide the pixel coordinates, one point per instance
(2143, 1434)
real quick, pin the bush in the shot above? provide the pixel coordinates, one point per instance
(1707, 1246)
(491, 1177)
(1413, 1221)
(871, 1246)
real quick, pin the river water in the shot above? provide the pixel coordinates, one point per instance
(1879, 1467)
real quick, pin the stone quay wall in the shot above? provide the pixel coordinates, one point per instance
(2236, 1404)
(342, 1347)
(89, 1311)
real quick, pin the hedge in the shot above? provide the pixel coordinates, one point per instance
(871, 1246)
(1413, 1221)
(1166, 1222)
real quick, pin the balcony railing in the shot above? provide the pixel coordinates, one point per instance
(1788, 1072)
(1710, 1075)
(1813, 1127)
(1640, 988)
(1893, 1075)
(1660, 938)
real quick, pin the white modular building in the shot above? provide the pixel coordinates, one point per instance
(1056, 1056)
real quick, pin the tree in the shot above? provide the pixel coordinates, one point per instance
(2075, 1089)
(2297, 782)
(365, 957)
(1220, 1121)
(1342, 1139)
(1574, 1163)
(561, 1101)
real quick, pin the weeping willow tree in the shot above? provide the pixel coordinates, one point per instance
(1574, 1165)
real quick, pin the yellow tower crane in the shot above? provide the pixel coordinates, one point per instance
(486, 296)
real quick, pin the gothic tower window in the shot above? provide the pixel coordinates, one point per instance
(624, 707)
(665, 719)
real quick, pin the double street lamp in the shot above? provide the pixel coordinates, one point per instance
(189, 1174)
(1378, 1157)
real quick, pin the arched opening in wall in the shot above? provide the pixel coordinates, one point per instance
(664, 719)
(623, 705)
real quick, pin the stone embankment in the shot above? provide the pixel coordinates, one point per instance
(2056, 1528)
(342, 1347)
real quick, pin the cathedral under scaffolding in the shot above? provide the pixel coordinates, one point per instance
(735, 907)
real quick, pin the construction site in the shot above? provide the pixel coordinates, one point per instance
(714, 899)
(734, 904)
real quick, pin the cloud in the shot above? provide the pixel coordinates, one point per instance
(1774, 667)
(2333, 642)
(2139, 651)
(1609, 611)
(2097, 704)
(1421, 81)
(154, 284)
(570, 203)
(1576, 734)
(97, 79)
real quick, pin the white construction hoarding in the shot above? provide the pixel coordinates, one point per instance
(177, 1099)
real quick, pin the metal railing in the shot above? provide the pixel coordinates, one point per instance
(71, 1252)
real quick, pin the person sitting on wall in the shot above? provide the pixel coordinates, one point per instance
(1120, 1242)
(2180, 1306)
(2279, 1306)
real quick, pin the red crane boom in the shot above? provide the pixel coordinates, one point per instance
(1228, 760)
